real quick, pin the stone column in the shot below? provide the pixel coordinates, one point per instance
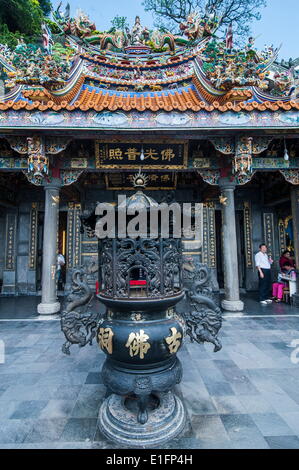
(232, 300)
(49, 304)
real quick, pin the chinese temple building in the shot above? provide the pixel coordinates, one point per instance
(208, 123)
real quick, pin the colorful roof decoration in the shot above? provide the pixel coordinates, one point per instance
(139, 69)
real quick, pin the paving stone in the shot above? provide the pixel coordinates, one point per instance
(213, 444)
(7, 408)
(27, 392)
(69, 378)
(184, 443)
(30, 367)
(25, 359)
(64, 392)
(87, 408)
(283, 442)
(202, 406)
(255, 404)
(209, 426)
(218, 388)
(9, 446)
(57, 409)
(292, 420)
(29, 409)
(244, 397)
(79, 429)
(14, 431)
(243, 432)
(15, 379)
(229, 404)
(93, 378)
(271, 424)
(38, 445)
(45, 430)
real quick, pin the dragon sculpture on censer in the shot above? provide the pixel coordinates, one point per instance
(200, 311)
(78, 322)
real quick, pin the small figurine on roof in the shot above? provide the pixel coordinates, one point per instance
(229, 37)
(47, 38)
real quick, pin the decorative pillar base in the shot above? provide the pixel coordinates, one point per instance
(48, 309)
(232, 305)
(119, 424)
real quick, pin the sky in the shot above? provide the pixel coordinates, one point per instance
(279, 23)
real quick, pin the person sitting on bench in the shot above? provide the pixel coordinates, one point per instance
(278, 287)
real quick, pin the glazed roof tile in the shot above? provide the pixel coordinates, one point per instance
(187, 100)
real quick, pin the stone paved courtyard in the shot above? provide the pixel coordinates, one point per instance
(245, 396)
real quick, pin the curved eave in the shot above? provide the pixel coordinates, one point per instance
(14, 95)
(261, 96)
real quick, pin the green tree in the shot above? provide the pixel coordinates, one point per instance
(6, 37)
(169, 14)
(119, 22)
(23, 16)
(46, 6)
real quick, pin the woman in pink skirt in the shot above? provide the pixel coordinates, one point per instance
(277, 291)
(277, 287)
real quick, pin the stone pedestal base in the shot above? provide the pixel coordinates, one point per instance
(232, 305)
(48, 309)
(120, 425)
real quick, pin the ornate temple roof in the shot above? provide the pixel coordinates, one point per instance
(144, 71)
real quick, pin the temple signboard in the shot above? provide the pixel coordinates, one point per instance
(147, 154)
(156, 181)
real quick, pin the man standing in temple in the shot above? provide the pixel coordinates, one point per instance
(263, 264)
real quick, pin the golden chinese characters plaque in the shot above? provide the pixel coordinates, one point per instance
(147, 154)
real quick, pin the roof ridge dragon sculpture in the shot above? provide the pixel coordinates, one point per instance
(194, 28)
